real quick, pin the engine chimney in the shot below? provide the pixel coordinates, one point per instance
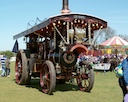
(65, 7)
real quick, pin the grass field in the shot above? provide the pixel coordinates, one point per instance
(106, 89)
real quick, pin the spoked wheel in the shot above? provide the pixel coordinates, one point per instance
(48, 77)
(21, 69)
(85, 79)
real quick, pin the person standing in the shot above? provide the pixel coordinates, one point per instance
(123, 81)
(2, 60)
(7, 65)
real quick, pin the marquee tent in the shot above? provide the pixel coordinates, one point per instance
(115, 41)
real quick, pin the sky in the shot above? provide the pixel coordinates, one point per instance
(16, 14)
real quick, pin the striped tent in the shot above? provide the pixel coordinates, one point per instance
(115, 41)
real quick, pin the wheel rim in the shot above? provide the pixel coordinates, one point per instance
(85, 80)
(47, 77)
(18, 69)
(21, 69)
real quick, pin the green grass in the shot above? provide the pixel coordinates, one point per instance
(106, 89)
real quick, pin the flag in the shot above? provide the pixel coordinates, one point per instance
(15, 47)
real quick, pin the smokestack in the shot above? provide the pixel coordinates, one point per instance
(65, 7)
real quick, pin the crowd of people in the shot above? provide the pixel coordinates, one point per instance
(5, 64)
(113, 59)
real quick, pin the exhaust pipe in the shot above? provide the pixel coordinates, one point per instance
(65, 8)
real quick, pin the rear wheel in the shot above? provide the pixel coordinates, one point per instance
(21, 68)
(48, 77)
(85, 80)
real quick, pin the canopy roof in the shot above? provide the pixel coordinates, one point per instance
(114, 41)
(45, 28)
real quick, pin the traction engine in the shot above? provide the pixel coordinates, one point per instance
(52, 50)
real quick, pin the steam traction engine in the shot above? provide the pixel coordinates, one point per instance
(52, 49)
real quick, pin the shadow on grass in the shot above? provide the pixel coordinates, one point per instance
(66, 87)
(35, 83)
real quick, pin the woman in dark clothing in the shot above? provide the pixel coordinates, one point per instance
(123, 81)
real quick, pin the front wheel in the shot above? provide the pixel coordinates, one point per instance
(48, 77)
(85, 79)
(21, 68)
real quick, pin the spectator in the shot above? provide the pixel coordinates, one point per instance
(123, 81)
(2, 60)
(7, 65)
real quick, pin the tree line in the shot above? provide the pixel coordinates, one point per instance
(7, 53)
